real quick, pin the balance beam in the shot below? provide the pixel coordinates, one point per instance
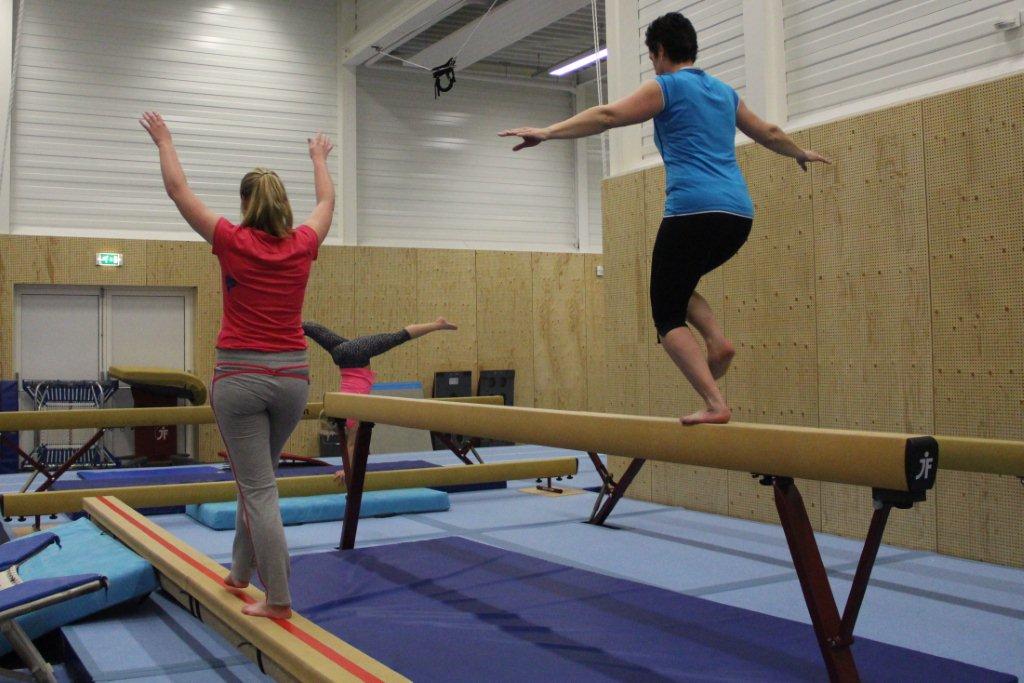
(878, 460)
(900, 468)
(295, 649)
(983, 456)
(73, 500)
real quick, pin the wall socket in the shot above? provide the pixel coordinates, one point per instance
(600, 271)
(1010, 22)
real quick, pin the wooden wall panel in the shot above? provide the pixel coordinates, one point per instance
(446, 287)
(504, 313)
(626, 299)
(79, 258)
(359, 291)
(627, 317)
(597, 371)
(385, 301)
(769, 314)
(695, 488)
(974, 152)
(559, 332)
(871, 251)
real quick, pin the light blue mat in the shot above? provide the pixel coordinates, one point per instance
(84, 549)
(162, 642)
(328, 508)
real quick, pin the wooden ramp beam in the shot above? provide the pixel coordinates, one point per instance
(295, 649)
(72, 500)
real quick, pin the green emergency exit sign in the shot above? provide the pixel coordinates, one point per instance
(109, 259)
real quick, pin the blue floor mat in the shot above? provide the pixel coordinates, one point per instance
(451, 609)
(328, 508)
(84, 549)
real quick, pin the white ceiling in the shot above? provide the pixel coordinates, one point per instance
(532, 56)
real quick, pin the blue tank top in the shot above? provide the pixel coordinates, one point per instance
(696, 135)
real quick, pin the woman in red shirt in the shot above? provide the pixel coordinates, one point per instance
(261, 378)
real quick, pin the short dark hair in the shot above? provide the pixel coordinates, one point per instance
(674, 33)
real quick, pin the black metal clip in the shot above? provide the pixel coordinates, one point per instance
(444, 77)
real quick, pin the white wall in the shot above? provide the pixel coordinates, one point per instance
(369, 11)
(241, 84)
(433, 173)
(839, 52)
(595, 150)
(719, 25)
(840, 58)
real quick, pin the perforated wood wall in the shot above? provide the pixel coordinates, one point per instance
(769, 311)
(871, 257)
(502, 302)
(446, 287)
(596, 356)
(504, 305)
(974, 152)
(883, 292)
(626, 309)
(559, 331)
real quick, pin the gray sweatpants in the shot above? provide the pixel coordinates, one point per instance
(258, 399)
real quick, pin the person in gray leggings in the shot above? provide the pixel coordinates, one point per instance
(258, 399)
(261, 378)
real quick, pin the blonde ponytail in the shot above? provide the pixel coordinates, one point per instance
(266, 203)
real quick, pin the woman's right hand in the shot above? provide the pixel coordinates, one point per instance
(319, 147)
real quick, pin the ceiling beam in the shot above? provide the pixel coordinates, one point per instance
(394, 28)
(504, 26)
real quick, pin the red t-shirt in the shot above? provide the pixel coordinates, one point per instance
(263, 279)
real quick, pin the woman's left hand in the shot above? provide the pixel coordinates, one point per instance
(155, 126)
(531, 136)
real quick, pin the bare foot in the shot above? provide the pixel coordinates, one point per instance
(262, 609)
(234, 586)
(720, 357)
(443, 324)
(339, 475)
(717, 416)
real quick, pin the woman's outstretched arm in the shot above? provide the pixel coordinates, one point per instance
(644, 104)
(771, 136)
(323, 213)
(191, 207)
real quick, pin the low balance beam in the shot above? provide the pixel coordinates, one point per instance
(116, 418)
(72, 500)
(295, 649)
(897, 462)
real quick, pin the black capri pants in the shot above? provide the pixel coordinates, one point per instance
(688, 248)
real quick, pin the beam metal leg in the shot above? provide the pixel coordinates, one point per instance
(355, 479)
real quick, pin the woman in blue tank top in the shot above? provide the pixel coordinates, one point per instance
(708, 212)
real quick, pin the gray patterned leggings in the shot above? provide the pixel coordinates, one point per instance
(354, 353)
